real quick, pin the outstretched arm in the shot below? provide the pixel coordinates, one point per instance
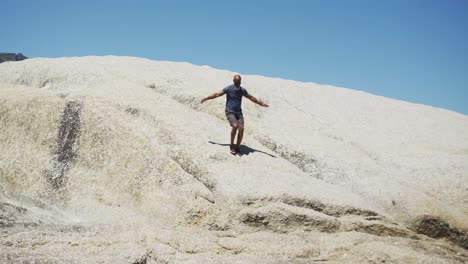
(255, 100)
(213, 96)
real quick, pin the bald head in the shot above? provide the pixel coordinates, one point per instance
(237, 80)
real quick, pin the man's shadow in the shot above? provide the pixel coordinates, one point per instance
(245, 150)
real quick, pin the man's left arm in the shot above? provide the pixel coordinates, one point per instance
(255, 100)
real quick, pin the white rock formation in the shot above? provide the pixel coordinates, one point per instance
(114, 159)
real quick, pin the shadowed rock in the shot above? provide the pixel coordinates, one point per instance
(435, 227)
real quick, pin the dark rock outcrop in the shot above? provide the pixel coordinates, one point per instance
(68, 136)
(12, 57)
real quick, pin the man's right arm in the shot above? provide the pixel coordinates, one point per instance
(213, 96)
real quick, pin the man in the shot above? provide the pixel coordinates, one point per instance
(234, 94)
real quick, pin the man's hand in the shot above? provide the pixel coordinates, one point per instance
(203, 100)
(263, 104)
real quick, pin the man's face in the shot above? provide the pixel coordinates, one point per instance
(237, 81)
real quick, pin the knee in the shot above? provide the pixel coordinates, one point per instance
(235, 126)
(241, 128)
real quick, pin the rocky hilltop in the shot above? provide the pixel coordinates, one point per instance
(12, 57)
(114, 159)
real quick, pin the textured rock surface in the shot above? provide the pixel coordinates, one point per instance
(114, 159)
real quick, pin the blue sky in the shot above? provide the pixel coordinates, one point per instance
(410, 50)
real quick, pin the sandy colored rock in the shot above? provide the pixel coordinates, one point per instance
(114, 159)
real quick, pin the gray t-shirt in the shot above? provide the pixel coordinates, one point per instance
(234, 98)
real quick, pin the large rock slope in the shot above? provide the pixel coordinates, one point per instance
(105, 143)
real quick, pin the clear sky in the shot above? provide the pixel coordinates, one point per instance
(413, 50)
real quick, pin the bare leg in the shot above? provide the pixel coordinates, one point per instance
(233, 133)
(239, 136)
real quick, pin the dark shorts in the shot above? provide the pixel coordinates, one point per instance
(234, 118)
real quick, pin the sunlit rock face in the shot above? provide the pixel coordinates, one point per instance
(114, 159)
